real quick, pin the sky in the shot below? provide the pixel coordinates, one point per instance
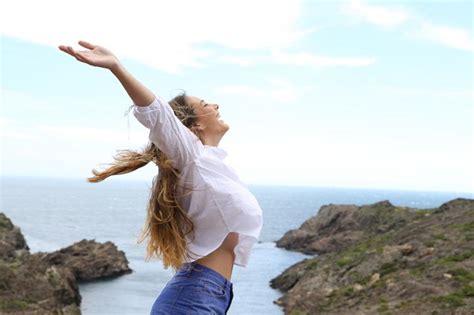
(356, 94)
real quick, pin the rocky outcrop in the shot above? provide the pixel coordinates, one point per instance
(89, 260)
(28, 285)
(338, 226)
(46, 283)
(381, 259)
(12, 242)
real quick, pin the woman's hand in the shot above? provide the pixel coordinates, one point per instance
(94, 55)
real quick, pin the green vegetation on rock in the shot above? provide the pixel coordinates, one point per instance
(378, 255)
(15, 305)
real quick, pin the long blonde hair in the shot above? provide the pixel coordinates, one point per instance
(167, 222)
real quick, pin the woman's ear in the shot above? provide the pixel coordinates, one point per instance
(198, 127)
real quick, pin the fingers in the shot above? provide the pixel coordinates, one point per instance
(67, 49)
(78, 55)
(86, 44)
(71, 51)
(63, 48)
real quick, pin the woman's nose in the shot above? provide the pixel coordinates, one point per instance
(217, 106)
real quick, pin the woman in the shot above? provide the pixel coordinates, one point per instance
(201, 219)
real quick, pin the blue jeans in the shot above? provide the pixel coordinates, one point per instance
(195, 289)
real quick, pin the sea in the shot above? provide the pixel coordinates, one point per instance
(54, 213)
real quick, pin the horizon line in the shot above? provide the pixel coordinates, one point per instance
(254, 184)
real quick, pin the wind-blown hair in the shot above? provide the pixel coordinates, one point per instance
(167, 222)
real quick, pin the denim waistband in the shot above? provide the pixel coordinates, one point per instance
(194, 269)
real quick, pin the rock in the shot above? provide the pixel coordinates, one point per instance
(290, 277)
(393, 253)
(335, 227)
(12, 242)
(46, 283)
(89, 260)
(456, 204)
(375, 277)
(30, 284)
(397, 261)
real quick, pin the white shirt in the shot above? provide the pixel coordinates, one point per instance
(220, 202)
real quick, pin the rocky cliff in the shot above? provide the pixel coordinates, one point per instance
(46, 283)
(382, 259)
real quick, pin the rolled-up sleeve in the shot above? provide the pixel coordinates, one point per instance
(168, 133)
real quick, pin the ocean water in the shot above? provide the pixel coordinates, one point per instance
(54, 213)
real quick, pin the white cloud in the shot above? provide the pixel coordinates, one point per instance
(454, 37)
(239, 89)
(242, 60)
(306, 59)
(166, 35)
(326, 160)
(17, 135)
(80, 133)
(15, 98)
(4, 122)
(297, 59)
(379, 15)
(162, 34)
(274, 90)
(464, 94)
(15, 130)
(62, 150)
(385, 16)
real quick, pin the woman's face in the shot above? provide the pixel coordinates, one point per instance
(208, 120)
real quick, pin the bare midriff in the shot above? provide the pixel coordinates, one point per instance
(222, 259)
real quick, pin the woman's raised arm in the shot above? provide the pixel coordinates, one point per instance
(98, 56)
(167, 132)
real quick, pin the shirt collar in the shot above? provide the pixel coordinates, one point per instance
(219, 152)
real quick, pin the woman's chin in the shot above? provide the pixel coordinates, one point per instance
(224, 124)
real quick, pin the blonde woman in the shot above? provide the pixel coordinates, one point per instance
(201, 218)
